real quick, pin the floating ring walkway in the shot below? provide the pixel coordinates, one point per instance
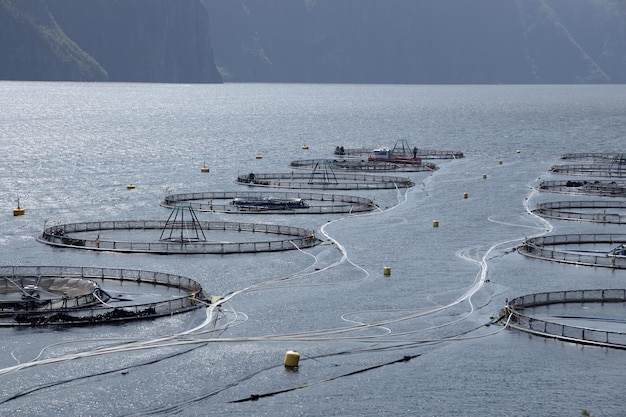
(517, 317)
(597, 188)
(215, 202)
(603, 250)
(594, 170)
(421, 153)
(326, 180)
(592, 211)
(45, 295)
(185, 237)
(368, 166)
(595, 156)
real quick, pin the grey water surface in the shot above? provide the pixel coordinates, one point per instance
(416, 342)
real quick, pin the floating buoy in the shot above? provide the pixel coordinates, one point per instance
(204, 168)
(465, 195)
(130, 186)
(484, 176)
(291, 359)
(435, 223)
(500, 162)
(259, 157)
(19, 210)
(517, 151)
(305, 146)
(387, 270)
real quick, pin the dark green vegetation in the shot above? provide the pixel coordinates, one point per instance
(344, 41)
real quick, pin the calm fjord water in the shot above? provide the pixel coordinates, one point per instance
(70, 149)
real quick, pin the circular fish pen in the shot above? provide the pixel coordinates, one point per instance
(178, 235)
(560, 322)
(596, 188)
(369, 166)
(421, 153)
(603, 250)
(616, 169)
(270, 202)
(606, 157)
(324, 180)
(70, 295)
(591, 211)
(93, 236)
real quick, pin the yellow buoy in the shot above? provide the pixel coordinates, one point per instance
(291, 359)
(130, 186)
(387, 270)
(19, 210)
(435, 223)
(465, 195)
(305, 146)
(500, 162)
(484, 176)
(259, 157)
(204, 168)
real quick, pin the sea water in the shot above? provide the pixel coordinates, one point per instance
(415, 342)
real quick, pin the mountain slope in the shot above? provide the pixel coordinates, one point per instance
(97, 40)
(34, 47)
(413, 41)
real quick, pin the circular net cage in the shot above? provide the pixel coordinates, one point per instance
(599, 249)
(601, 157)
(591, 211)
(577, 327)
(324, 179)
(66, 295)
(400, 165)
(612, 168)
(604, 188)
(406, 149)
(95, 236)
(271, 202)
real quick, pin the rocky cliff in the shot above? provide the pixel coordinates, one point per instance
(420, 41)
(114, 40)
(34, 47)
(328, 41)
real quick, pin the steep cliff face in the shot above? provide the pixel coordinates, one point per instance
(142, 40)
(129, 40)
(344, 41)
(34, 47)
(599, 28)
(552, 49)
(409, 41)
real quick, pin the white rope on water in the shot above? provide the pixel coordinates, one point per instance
(210, 324)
